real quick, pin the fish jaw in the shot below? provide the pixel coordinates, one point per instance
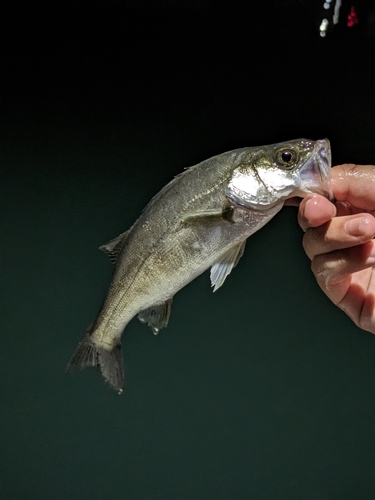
(315, 175)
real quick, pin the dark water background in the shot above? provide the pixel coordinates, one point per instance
(263, 390)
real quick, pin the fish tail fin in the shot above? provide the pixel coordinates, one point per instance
(111, 364)
(112, 367)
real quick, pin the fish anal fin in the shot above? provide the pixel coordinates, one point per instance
(221, 269)
(156, 316)
(113, 247)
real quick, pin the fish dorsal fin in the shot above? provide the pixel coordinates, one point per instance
(113, 247)
(156, 316)
(221, 269)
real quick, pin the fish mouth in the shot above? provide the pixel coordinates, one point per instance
(315, 175)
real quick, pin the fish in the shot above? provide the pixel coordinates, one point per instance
(200, 220)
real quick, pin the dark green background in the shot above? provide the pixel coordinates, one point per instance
(263, 390)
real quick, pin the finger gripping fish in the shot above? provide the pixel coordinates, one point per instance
(200, 220)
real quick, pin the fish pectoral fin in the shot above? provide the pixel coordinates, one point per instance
(113, 247)
(156, 316)
(225, 213)
(193, 216)
(221, 269)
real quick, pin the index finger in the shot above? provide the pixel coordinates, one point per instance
(354, 184)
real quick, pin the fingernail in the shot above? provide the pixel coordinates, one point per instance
(309, 203)
(356, 227)
(313, 204)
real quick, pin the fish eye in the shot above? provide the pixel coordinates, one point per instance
(286, 158)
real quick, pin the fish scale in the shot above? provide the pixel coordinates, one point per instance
(200, 220)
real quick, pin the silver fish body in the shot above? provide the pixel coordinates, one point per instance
(200, 220)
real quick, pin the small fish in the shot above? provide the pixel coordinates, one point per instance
(200, 220)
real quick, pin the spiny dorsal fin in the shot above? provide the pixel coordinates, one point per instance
(113, 247)
(156, 316)
(221, 269)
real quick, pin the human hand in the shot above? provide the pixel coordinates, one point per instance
(339, 241)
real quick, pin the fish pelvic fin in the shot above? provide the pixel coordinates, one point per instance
(221, 269)
(110, 362)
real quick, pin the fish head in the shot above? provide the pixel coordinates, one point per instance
(269, 175)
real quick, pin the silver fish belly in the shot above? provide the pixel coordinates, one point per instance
(200, 220)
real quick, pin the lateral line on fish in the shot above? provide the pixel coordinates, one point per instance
(129, 283)
(207, 192)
